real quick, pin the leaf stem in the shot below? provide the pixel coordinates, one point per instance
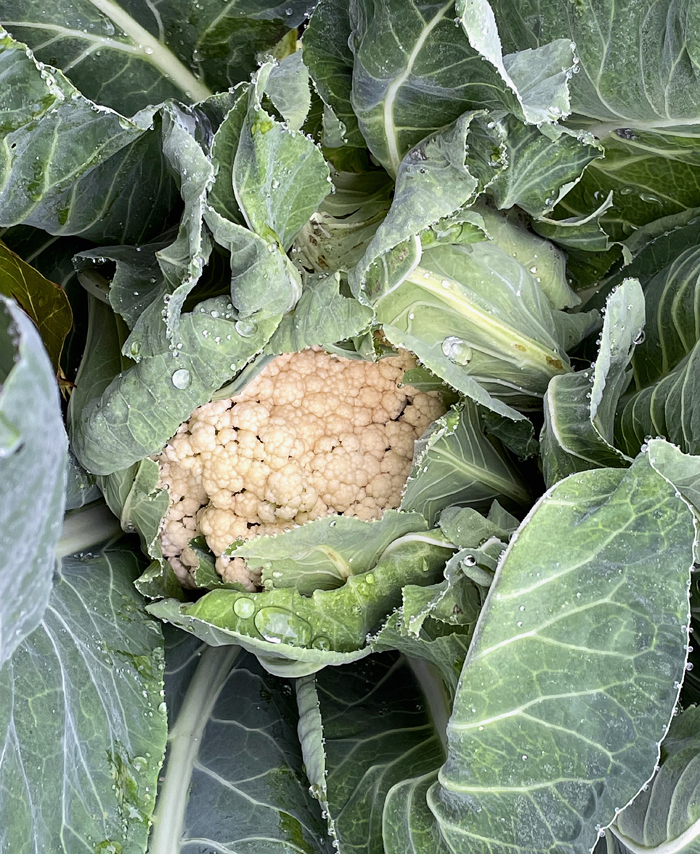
(155, 51)
(85, 528)
(185, 738)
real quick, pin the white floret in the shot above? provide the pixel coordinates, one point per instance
(311, 435)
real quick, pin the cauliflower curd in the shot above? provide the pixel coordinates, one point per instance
(311, 435)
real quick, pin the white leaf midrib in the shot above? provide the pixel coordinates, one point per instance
(145, 46)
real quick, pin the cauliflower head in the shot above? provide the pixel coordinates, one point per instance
(313, 434)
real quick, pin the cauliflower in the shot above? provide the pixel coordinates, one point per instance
(311, 435)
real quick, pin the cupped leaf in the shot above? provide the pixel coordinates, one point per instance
(475, 316)
(288, 89)
(322, 554)
(279, 175)
(579, 409)
(576, 665)
(127, 56)
(363, 728)
(82, 716)
(33, 465)
(538, 78)
(455, 463)
(69, 166)
(297, 634)
(119, 421)
(233, 774)
(45, 302)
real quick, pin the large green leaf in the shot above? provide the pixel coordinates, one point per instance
(665, 815)
(82, 716)
(127, 54)
(33, 461)
(455, 463)
(296, 635)
(636, 89)
(363, 728)
(69, 166)
(574, 670)
(662, 399)
(579, 409)
(415, 72)
(233, 780)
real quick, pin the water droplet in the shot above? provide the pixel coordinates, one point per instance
(469, 560)
(245, 328)
(522, 607)
(278, 625)
(148, 51)
(181, 378)
(244, 608)
(369, 578)
(639, 337)
(456, 350)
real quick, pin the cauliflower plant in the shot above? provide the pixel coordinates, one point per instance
(313, 434)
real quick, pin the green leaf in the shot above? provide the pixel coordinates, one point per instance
(436, 178)
(538, 78)
(45, 302)
(81, 708)
(327, 54)
(539, 257)
(69, 166)
(635, 91)
(322, 316)
(33, 465)
(665, 815)
(128, 57)
(322, 554)
(338, 233)
(467, 528)
(475, 316)
(455, 463)
(288, 89)
(579, 409)
(234, 774)
(661, 401)
(568, 639)
(363, 729)
(309, 632)
(415, 72)
(119, 421)
(542, 166)
(279, 176)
